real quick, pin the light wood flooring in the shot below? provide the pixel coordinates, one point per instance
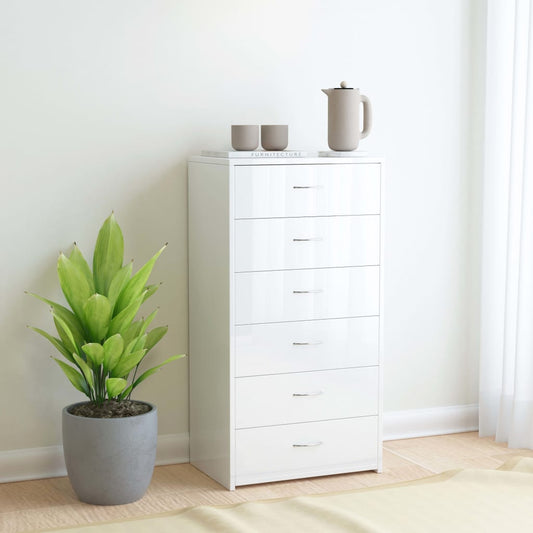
(49, 503)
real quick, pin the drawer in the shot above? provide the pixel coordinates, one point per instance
(283, 296)
(301, 450)
(305, 397)
(307, 190)
(311, 242)
(305, 346)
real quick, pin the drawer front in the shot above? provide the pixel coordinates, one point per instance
(307, 190)
(306, 346)
(299, 450)
(312, 242)
(305, 397)
(283, 296)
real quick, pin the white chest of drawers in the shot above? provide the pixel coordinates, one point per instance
(285, 317)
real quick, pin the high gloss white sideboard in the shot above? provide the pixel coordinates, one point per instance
(285, 317)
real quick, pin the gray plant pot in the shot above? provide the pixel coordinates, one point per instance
(110, 461)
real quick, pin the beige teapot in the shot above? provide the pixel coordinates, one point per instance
(344, 104)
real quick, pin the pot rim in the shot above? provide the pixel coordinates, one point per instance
(65, 410)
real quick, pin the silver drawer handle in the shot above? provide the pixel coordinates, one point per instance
(314, 393)
(308, 239)
(308, 444)
(307, 343)
(312, 291)
(305, 187)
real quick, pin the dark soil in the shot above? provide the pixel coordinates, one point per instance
(110, 409)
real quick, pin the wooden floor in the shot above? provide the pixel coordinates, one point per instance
(49, 503)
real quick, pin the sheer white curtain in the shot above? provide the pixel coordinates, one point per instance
(506, 363)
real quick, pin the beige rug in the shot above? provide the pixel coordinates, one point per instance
(460, 500)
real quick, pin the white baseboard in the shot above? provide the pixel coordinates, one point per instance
(428, 422)
(32, 463)
(38, 463)
(172, 449)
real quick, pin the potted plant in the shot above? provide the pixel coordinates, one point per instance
(110, 440)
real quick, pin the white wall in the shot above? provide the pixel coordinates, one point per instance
(103, 101)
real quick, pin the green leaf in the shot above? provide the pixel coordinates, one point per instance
(119, 281)
(150, 290)
(113, 348)
(132, 331)
(136, 285)
(70, 319)
(84, 367)
(127, 363)
(154, 336)
(115, 386)
(56, 342)
(74, 284)
(129, 347)
(147, 321)
(74, 377)
(123, 320)
(65, 334)
(140, 342)
(97, 311)
(94, 353)
(148, 373)
(73, 325)
(108, 254)
(77, 258)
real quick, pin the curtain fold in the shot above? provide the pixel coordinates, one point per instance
(506, 358)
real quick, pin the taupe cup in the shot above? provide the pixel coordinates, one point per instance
(245, 137)
(274, 137)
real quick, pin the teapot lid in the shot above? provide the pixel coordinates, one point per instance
(344, 86)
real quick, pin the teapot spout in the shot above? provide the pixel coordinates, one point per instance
(327, 91)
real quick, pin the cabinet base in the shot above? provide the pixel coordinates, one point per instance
(298, 474)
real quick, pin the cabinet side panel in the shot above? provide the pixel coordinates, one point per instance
(209, 320)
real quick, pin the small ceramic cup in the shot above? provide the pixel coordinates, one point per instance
(245, 137)
(274, 137)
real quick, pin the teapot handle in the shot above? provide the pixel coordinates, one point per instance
(367, 116)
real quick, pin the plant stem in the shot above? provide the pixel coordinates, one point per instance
(133, 381)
